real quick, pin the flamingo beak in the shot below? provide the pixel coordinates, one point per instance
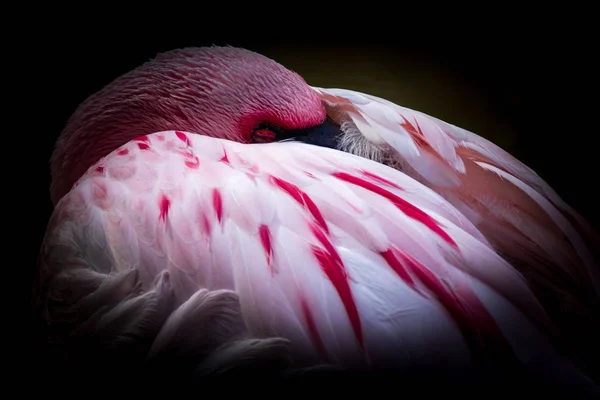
(327, 134)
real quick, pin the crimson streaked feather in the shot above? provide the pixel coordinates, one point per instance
(407, 208)
(455, 148)
(331, 283)
(516, 211)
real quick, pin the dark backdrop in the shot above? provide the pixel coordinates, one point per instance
(527, 83)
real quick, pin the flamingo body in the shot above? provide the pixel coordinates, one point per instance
(519, 214)
(418, 245)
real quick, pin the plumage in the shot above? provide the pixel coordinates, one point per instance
(176, 240)
(357, 282)
(521, 216)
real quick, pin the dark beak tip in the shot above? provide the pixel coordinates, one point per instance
(327, 134)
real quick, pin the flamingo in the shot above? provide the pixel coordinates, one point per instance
(214, 212)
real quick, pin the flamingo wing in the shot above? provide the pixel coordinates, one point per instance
(277, 247)
(514, 208)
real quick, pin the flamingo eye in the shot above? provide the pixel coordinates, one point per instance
(263, 136)
(264, 133)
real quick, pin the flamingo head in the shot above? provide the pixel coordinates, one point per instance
(224, 92)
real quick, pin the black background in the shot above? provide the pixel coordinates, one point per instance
(525, 80)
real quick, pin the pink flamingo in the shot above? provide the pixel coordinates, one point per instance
(204, 213)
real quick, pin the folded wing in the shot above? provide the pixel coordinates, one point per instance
(518, 213)
(353, 262)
